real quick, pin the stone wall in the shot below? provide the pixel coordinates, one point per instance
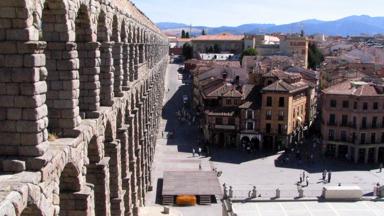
(81, 88)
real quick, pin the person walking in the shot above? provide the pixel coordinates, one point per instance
(303, 174)
(381, 167)
(324, 174)
(329, 176)
(199, 151)
(193, 152)
(307, 181)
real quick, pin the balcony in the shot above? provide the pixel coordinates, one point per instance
(332, 123)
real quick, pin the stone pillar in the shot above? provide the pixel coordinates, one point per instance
(126, 66)
(132, 160)
(118, 64)
(112, 149)
(98, 175)
(23, 112)
(122, 135)
(79, 203)
(107, 74)
(89, 71)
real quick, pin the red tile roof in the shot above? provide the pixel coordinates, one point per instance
(355, 88)
(219, 37)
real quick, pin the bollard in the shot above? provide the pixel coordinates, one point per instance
(277, 193)
(301, 193)
(166, 210)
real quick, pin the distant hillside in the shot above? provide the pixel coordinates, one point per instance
(352, 25)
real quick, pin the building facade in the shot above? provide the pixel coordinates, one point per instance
(81, 94)
(353, 121)
(222, 43)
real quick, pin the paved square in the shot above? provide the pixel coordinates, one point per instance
(363, 208)
(242, 171)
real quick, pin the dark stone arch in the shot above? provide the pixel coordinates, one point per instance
(89, 100)
(115, 29)
(55, 32)
(108, 134)
(95, 151)
(102, 30)
(119, 119)
(31, 210)
(69, 179)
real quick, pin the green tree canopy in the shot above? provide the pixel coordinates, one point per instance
(182, 33)
(203, 32)
(187, 35)
(187, 51)
(248, 52)
(315, 57)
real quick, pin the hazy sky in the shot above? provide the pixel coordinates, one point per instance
(237, 12)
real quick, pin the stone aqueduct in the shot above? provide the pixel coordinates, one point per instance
(81, 88)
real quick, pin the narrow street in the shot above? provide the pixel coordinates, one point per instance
(175, 154)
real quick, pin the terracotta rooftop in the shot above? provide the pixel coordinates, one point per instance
(356, 88)
(219, 37)
(282, 86)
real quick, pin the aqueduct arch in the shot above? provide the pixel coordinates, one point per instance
(78, 79)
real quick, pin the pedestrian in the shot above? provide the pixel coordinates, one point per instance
(329, 176)
(193, 152)
(199, 151)
(249, 194)
(200, 166)
(301, 179)
(381, 167)
(307, 181)
(324, 174)
(303, 174)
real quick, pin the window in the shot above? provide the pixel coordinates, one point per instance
(375, 106)
(332, 119)
(331, 135)
(269, 115)
(346, 104)
(249, 125)
(236, 102)
(374, 122)
(355, 105)
(269, 101)
(268, 128)
(364, 122)
(281, 102)
(365, 106)
(281, 116)
(373, 138)
(343, 136)
(219, 121)
(249, 114)
(354, 122)
(362, 138)
(344, 120)
(231, 121)
(228, 101)
(333, 103)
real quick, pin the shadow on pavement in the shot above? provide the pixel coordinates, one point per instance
(159, 189)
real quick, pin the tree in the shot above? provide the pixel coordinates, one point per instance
(187, 35)
(182, 33)
(187, 51)
(203, 32)
(315, 57)
(302, 34)
(216, 48)
(248, 52)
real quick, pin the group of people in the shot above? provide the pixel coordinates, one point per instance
(304, 179)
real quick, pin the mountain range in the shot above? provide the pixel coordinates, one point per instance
(352, 26)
